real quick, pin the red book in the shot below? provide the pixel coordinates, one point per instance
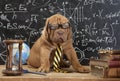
(114, 64)
(115, 57)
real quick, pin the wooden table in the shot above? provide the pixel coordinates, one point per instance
(52, 76)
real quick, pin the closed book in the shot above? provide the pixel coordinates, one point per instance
(114, 73)
(115, 57)
(99, 67)
(99, 71)
(105, 68)
(98, 62)
(114, 64)
(109, 54)
(113, 52)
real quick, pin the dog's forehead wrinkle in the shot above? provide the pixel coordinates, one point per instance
(58, 19)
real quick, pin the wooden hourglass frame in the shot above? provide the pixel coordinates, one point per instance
(9, 65)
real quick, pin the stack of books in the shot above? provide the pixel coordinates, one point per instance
(108, 65)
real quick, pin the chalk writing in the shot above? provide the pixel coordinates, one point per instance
(20, 7)
(95, 23)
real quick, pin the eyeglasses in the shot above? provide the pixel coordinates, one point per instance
(64, 26)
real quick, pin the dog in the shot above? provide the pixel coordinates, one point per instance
(57, 30)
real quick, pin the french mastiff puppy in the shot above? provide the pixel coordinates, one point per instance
(57, 30)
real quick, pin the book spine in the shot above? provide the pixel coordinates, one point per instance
(98, 62)
(99, 71)
(114, 73)
(114, 64)
(115, 57)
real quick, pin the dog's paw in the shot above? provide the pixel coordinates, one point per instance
(83, 70)
(43, 69)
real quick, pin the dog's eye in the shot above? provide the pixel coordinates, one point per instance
(53, 27)
(65, 25)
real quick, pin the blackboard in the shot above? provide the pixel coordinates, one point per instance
(95, 23)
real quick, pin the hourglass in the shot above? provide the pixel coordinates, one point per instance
(12, 69)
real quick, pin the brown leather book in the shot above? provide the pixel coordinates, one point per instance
(105, 69)
(98, 62)
(114, 73)
(99, 71)
(99, 67)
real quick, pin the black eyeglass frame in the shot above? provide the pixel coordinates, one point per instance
(64, 26)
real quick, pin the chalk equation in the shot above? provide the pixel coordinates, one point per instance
(95, 23)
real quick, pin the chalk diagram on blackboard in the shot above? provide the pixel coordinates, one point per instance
(89, 37)
(95, 23)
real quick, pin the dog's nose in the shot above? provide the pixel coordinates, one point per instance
(60, 33)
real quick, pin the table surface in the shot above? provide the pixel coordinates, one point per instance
(52, 76)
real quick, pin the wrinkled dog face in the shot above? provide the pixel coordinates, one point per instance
(58, 28)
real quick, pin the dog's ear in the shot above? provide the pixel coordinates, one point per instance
(46, 30)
